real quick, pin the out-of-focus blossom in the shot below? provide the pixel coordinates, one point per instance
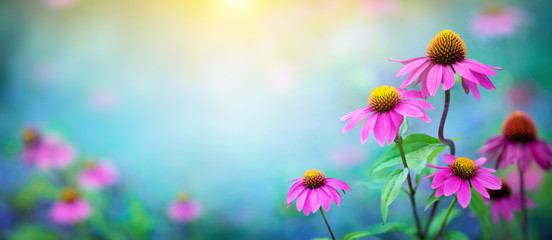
(97, 175)
(506, 200)
(313, 190)
(532, 178)
(102, 100)
(379, 7)
(388, 107)
(518, 142)
(457, 176)
(498, 21)
(184, 209)
(59, 3)
(70, 209)
(347, 155)
(46, 151)
(446, 54)
(520, 95)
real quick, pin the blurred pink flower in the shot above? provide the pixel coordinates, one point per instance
(504, 202)
(446, 54)
(314, 190)
(379, 7)
(532, 178)
(497, 21)
(102, 100)
(97, 175)
(46, 151)
(388, 107)
(457, 176)
(518, 142)
(184, 210)
(347, 155)
(71, 209)
(520, 95)
(59, 3)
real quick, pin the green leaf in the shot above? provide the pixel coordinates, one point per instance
(417, 148)
(28, 231)
(391, 189)
(438, 220)
(478, 208)
(39, 187)
(455, 235)
(432, 199)
(423, 169)
(376, 230)
(404, 127)
(374, 184)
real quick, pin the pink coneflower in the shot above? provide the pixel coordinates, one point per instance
(313, 190)
(71, 209)
(518, 142)
(389, 106)
(184, 210)
(504, 202)
(97, 175)
(497, 21)
(446, 54)
(46, 152)
(457, 176)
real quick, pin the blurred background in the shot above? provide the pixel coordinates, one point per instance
(228, 100)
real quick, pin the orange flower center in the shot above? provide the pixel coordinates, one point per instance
(383, 99)
(314, 179)
(30, 136)
(464, 168)
(446, 48)
(519, 127)
(69, 195)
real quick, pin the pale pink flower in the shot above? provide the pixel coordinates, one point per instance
(46, 151)
(184, 210)
(497, 21)
(70, 209)
(97, 175)
(504, 202)
(388, 107)
(446, 55)
(457, 176)
(313, 190)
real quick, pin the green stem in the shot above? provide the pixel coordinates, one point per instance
(445, 220)
(327, 224)
(398, 141)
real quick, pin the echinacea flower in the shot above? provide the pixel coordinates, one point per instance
(518, 142)
(496, 21)
(184, 209)
(46, 151)
(97, 175)
(313, 190)
(446, 54)
(457, 176)
(388, 107)
(71, 209)
(504, 202)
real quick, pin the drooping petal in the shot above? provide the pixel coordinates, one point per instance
(419, 102)
(356, 119)
(540, 155)
(325, 199)
(368, 127)
(314, 200)
(392, 130)
(301, 199)
(451, 185)
(336, 183)
(334, 195)
(440, 177)
(434, 79)
(478, 67)
(409, 67)
(488, 180)
(448, 78)
(424, 117)
(379, 130)
(297, 179)
(352, 114)
(410, 93)
(472, 87)
(449, 159)
(415, 74)
(480, 161)
(439, 192)
(465, 72)
(487, 170)
(484, 81)
(464, 193)
(408, 110)
(492, 143)
(406, 61)
(294, 192)
(307, 206)
(479, 187)
(438, 167)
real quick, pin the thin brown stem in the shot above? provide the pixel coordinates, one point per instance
(327, 224)
(524, 220)
(398, 141)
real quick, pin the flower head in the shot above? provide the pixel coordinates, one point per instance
(184, 209)
(388, 107)
(46, 151)
(70, 209)
(97, 175)
(496, 21)
(313, 190)
(505, 201)
(457, 176)
(446, 54)
(518, 142)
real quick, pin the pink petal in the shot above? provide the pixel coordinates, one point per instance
(478, 67)
(294, 192)
(440, 177)
(438, 167)
(391, 130)
(465, 86)
(479, 187)
(449, 159)
(425, 117)
(368, 127)
(356, 120)
(464, 194)
(488, 180)
(409, 67)
(297, 179)
(352, 114)
(434, 79)
(336, 183)
(379, 130)
(415, 73)
(307, 207)
(406, 61)
(464, 72)
(487, 170)
(484, 81)
(408, 110)
(301, 199)
(334, 195)
(410, 94)
(540, 155)
(314, 200)
(480, 161)
(492, 143)
(325, 199)
(439, 192)
(419, 102)
(451, 185)
(473, 88)
(448, 78)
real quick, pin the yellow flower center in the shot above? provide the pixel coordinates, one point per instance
(519, 127)
(89, 164)
(383, 99)
(69, 195)
(30, 136)
(446, 48)
(464, 168)
(314, 179)
(183, 197)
